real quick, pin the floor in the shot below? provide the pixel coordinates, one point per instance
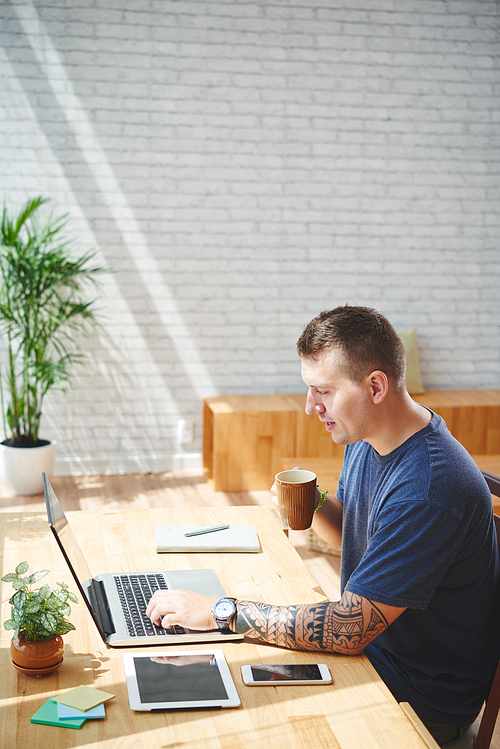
(180, 489)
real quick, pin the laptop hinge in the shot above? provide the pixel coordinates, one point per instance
(99, 603)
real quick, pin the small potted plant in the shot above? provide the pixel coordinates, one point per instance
(44, 311)
(38, 620)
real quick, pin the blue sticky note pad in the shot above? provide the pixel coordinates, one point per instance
(71, 713)
(47, 715)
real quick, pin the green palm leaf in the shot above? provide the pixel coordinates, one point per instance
(43, 310)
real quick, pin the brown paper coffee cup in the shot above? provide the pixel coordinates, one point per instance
(296, 492)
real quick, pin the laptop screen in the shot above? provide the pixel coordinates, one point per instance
(68, 544)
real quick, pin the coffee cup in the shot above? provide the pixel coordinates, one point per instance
(296, 493)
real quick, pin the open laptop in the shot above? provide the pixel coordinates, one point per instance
(117, 601)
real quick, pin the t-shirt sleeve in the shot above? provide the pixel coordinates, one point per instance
(340, 485)
(412, 546)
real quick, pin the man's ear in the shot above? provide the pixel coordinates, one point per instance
(378, 382)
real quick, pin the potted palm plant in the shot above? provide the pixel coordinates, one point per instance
(38, 619)
(42, 307)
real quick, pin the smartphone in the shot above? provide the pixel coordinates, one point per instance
(282, 674)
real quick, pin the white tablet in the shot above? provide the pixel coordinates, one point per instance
(193, 679)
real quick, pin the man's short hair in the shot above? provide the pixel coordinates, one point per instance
(366, 339)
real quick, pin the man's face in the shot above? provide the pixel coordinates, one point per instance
(340, 403)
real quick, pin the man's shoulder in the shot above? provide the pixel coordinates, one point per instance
(431, 466)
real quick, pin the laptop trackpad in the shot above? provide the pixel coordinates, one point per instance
(198, 581)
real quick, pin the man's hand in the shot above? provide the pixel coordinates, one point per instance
(192, 610)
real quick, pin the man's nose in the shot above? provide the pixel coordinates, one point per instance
(313, 406)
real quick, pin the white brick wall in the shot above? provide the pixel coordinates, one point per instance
(241, 166)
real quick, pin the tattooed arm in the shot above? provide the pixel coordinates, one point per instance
(345, 626)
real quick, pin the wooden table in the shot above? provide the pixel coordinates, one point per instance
(357, 710)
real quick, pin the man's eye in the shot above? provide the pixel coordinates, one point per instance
(321, 392)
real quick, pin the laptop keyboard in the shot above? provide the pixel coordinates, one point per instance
(134, 592)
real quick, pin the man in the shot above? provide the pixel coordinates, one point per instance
(419, 575)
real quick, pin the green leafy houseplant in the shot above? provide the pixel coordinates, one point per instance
(37, 615)
(42, 307)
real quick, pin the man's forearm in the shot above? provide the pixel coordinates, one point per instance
(345, 626)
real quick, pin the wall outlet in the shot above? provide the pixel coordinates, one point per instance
(185, 432)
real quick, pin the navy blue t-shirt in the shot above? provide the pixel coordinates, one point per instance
(418, 531)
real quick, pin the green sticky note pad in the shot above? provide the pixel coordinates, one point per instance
(47, 715)
(83, 698)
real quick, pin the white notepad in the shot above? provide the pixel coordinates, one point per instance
(171, 538)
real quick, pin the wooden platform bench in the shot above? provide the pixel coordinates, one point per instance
(246, 437)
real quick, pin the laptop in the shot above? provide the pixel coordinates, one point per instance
(117, 601)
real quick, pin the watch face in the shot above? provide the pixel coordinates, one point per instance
(224, 609)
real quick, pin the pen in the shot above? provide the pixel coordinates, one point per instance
(207, 530)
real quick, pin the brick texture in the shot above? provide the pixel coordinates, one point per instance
(240, 166)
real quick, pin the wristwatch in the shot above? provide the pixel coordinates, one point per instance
(224, 612)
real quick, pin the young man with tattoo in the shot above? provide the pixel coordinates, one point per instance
(419, 570)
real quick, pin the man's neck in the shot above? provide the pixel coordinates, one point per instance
(402, 418)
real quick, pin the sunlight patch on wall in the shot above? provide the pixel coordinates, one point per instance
(64, 414)
(146, 266)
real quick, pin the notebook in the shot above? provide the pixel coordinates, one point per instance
(171, 538)
(117, 601)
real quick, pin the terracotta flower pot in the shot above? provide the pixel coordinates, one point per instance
(37, 658)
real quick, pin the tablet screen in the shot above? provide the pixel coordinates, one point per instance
(186, 679)
(183, 678)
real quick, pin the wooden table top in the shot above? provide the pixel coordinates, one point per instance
(357, 710)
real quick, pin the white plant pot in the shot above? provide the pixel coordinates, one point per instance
(21, 468)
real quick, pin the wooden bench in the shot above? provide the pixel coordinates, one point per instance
(245, 437)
